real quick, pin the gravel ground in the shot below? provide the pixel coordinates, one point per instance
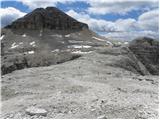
(87, 87)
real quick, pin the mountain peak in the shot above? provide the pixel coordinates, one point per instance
(48, 18)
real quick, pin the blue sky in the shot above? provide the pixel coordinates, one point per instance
(77, 6)
(123, 19)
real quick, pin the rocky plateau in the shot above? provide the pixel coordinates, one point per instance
(54, 66)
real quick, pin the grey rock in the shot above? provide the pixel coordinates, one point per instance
(102, 117)
(36, 111)
(147, 51)
(49, 18)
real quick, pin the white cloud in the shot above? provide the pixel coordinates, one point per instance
(129, 24)
(9, 14)
(149, 20)
(32, 4)
(146, 21)
(98, 6)
(94, 24)
(100, 25)
(119, 6)
(122, 29)
(128, 36)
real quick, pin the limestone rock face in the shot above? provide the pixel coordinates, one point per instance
(147, 51)
(49, 18)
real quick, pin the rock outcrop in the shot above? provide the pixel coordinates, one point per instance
(36, 111)
(147, 51)
(126, 59)
(49, 18)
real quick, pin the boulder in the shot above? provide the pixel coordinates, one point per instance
(36, 111)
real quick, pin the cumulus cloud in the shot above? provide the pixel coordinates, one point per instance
(149, 20)
(98, 6)
(9, 14)
(146, 25)
(97, 25)
(146, 21)
(122, 29)
(129, 24)
(119, 6)
(128, 36)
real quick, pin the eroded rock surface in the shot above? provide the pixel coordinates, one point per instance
(88, 87)
(147, 51)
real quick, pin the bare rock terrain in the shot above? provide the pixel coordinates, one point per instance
(54, 66)
(147, 51)
(90, 86)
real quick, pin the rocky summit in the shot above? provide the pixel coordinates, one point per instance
(50, 18)
(45, 32)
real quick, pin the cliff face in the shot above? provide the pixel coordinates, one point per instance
(147, 51)
(49, 18)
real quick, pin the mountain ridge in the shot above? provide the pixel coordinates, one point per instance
(49, 18)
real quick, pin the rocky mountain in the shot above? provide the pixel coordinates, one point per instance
(99, 78)
(49, 27)
(45, 32)
(50, 33)
(49, 18)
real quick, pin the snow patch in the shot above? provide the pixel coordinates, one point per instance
(86, 46)
(119, 43)
(108, 42)
(126, 43)
(74, 41)
(80, 52)
(24, 35)
(67, 35)
(2, 37)
(56, 50)
(31, 52)
(14, 45)
(32, 43)
(98, 39)
(79, 46)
